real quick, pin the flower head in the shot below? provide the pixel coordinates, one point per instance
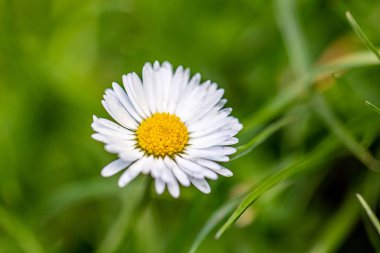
(169, 126)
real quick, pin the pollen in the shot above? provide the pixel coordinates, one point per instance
(162, 134)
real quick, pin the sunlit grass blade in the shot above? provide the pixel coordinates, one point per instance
(363, 37)
(261, 137)
(370, 213)
(373, 107)
(213, 221)
(311, 160)
(19, 232)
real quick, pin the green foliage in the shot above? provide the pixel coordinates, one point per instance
(374, 107)
(361, 34)
(370, 213)
(295, 72)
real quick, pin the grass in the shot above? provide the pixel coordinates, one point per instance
(305, 87)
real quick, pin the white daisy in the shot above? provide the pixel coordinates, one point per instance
(169, 126)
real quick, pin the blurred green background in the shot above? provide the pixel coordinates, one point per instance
(58, 56)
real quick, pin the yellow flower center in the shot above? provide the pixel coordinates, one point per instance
(162, 134)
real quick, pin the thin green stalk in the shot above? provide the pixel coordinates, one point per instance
(284, 99)
(309, 161)
(293, 35)
(327, 149)
(361, 34)
(341, 223)
(369, 212)
(373, 107)
(321, 108)
(261, 137)
(213, 221)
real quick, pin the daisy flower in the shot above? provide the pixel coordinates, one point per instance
(168, 125)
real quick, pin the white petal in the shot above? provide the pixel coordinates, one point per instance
(157, 86)
(213, 126)
(114, 167)
(148, 85)
(192, 103)
(131, 155)
(206, 105)
(118, 112)
(149, 165)
(126, 102)
(134, 89)
(217, 153)
(168, 178)
(179, 174)
(99, 137)
(223, 126)
(178, 82)
(205, 123)
(230, 141)
(210, 140)
(215, 167)
(101, 125)
(171, 182)
(165, 173)
(173, 188)
(166, 80)
(158, 168)
(195, 170)
(189, 167)
(217, 150)
(121, 146)
(187, 95)
(201, 184)
(159, 185)
(112, 133)
(116, 139)
(211, 112)
(132, 172)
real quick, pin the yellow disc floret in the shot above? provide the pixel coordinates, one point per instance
(162, 134)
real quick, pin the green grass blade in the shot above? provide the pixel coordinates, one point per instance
(338, 226)
(284, 99)
(292, 34)
(293, 38)
(345, 63)
(363, 37)
(370, 213)
(261, 137)
(213, 221)
(311, 160)
(373, 107)
(19, 232)
(258, 191)
(321, 108)
(297, 51)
